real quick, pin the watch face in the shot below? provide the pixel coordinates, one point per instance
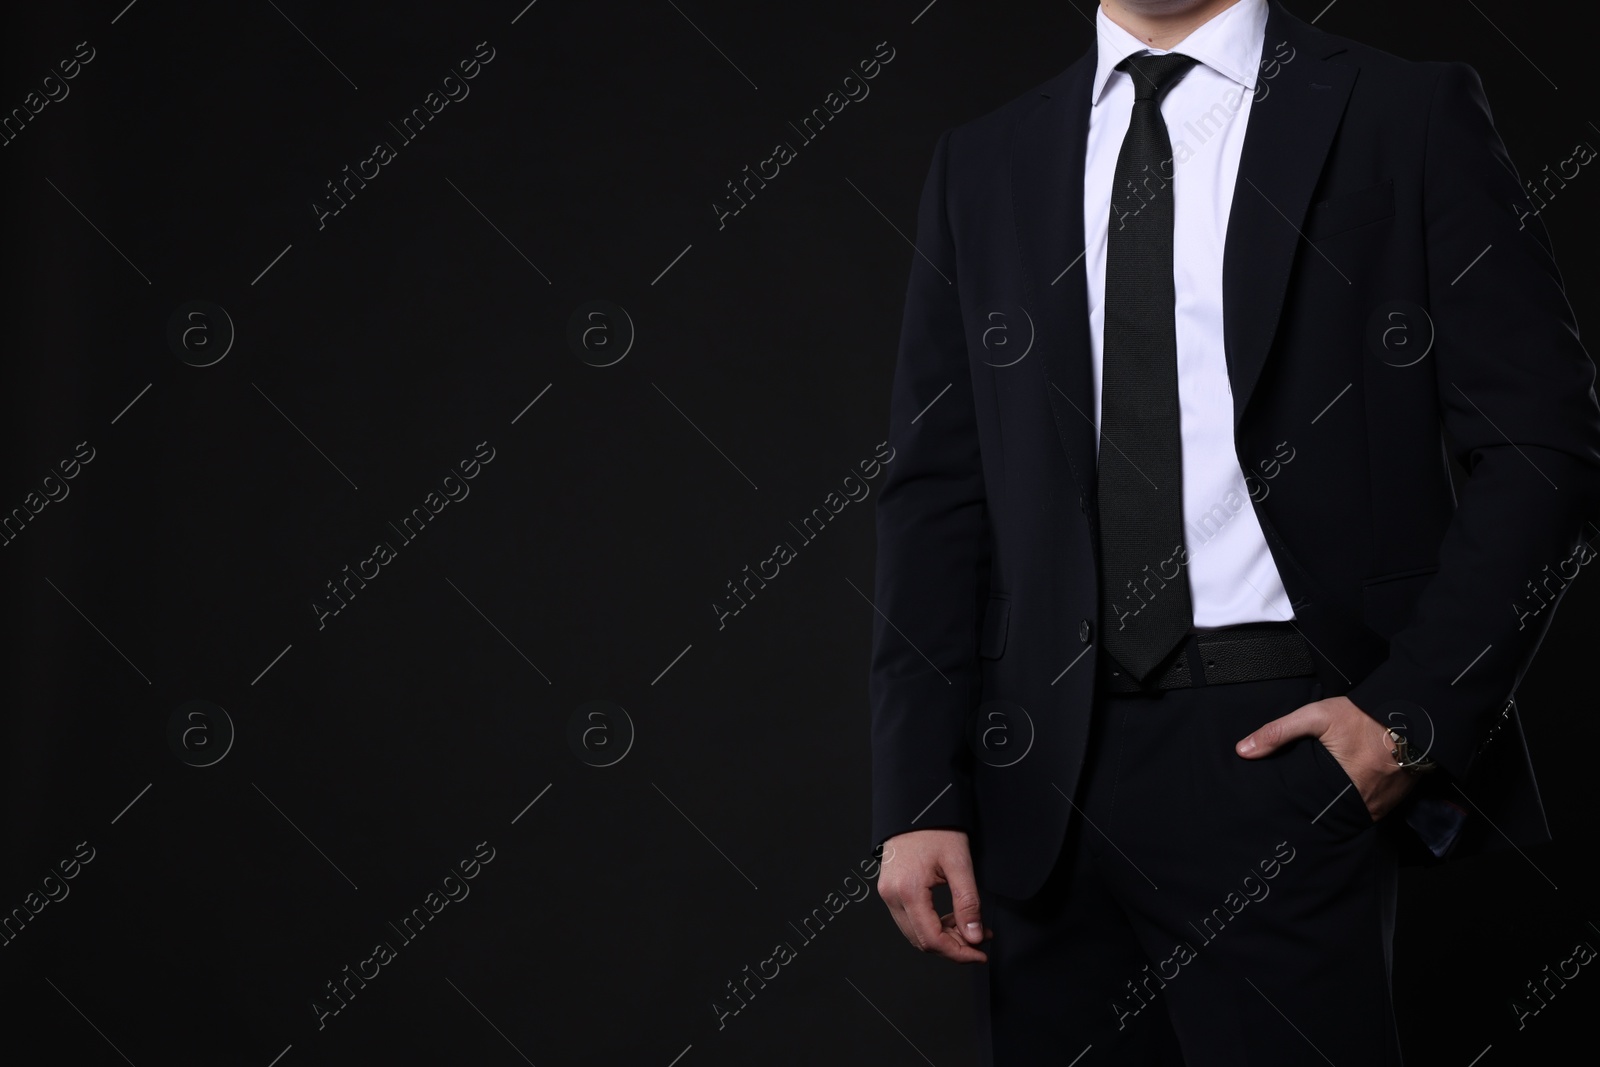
(1410, 727)
(1403, 755)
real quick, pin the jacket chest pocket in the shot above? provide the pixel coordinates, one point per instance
(1346, 211)
(1387, 602)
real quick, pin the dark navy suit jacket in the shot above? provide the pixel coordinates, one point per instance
(1373, 196)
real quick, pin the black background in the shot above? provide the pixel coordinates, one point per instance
(378, 351)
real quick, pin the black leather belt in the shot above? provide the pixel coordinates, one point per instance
(1250, 653)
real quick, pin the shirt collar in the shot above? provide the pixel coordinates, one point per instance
(1230, 44)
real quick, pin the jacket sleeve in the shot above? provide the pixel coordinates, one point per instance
(933, 551)
(1516, 394)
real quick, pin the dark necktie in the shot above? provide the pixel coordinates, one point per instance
(1145, 609)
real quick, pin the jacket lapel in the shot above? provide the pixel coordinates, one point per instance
(1291, 127)
(1047, 157)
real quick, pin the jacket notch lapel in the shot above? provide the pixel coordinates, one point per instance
(1291, 128)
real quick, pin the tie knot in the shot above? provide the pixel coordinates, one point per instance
(1153, 75)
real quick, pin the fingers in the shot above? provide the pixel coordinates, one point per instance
(933, 934)
(922, 926)
(949, 921)
(964, 897)
(907, 886)
(1308, 721)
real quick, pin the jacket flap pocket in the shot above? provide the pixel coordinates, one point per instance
(996, 617)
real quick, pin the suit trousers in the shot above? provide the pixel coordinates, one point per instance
(1205, 909)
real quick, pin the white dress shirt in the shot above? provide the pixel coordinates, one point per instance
(1232, 577)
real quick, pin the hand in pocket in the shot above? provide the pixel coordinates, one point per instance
(1356, 741)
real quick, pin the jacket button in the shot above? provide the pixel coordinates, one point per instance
(1083, 630)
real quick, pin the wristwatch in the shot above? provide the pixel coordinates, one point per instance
(1408, 760)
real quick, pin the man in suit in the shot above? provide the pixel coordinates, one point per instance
(1185, 638)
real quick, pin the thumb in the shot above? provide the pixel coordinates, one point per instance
(964, 896)
(1269, 737)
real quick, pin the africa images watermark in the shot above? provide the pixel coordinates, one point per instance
(1211, 122)
(52, 90)
(53, 889)
(55, 490)
(855, 490)
(383, 153)
(453, 888)
(1553, 981)
(451, 489)
(1539, 189)
(1209, 523)
(783, 153)
(1201, 530)
(1565, 572)
(1255, 890)
(856, 889)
